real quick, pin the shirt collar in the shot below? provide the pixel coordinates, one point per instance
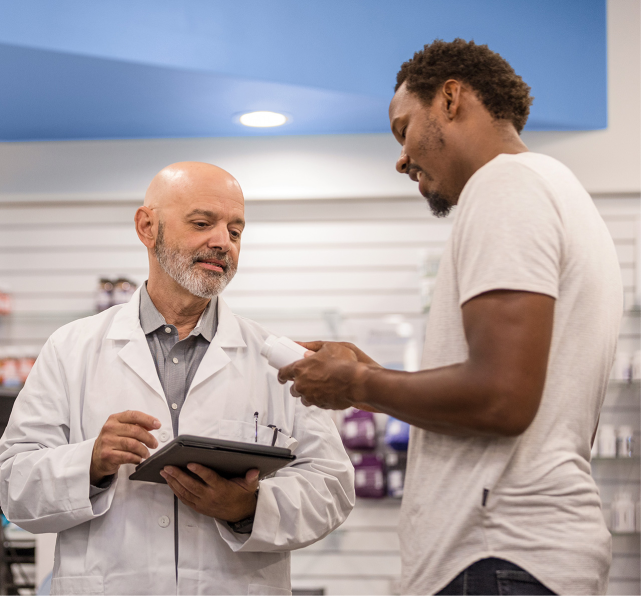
(151, 319)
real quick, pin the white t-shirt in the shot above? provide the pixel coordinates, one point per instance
(524, 222)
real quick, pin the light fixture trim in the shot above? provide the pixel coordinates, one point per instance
(263, 119)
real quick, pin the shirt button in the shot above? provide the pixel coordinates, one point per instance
(163, 521)
(175, 360)
(167, 329)
(163, 436)
(174, 406)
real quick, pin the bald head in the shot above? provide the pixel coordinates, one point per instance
(185, 180)
(191, 223)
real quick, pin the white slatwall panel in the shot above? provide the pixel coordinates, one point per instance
(309, 269)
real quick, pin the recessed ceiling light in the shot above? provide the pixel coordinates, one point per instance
(263, 119)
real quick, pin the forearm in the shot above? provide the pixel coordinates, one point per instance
(453, 400)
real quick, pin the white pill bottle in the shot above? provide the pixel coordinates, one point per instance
(281, 351)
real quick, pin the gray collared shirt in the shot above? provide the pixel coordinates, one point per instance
(176, 360)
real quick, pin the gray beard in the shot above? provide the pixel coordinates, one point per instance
(182, 268)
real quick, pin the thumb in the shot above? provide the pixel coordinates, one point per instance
(312, 346)
(251, 478)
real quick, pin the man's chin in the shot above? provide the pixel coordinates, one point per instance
(439, 204)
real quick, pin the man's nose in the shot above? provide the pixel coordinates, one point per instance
(402, 163)
(219, 238)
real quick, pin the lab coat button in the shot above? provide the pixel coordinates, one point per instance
(163, 436)
(163, 521)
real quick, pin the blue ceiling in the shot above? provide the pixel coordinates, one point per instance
(108, 69)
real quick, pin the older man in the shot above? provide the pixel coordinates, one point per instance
(108, 390)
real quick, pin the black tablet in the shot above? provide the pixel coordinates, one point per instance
(230, 459)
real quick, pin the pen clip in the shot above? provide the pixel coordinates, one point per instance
(275, 433)
(256, 421)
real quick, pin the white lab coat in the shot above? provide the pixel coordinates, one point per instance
(122, 540)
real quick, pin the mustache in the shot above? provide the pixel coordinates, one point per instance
(223, 257)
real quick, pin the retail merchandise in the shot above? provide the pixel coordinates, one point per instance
(369, 478)
(625, 441)
(281, 351)
(112, 292)
(607, 441)
(396, 464)
(16, 363)
(397, 434)
(359, 430)
(614, 442)
(622, 367)
(636, 365)
(623, 509)
(5, 303)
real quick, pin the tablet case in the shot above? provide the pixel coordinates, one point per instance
(230, 459)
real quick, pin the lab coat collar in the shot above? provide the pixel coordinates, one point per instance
(136, 354)
(217, 356)
(126, 323)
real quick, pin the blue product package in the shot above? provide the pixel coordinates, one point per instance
(397, 434)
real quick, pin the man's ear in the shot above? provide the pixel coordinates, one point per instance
(144, 221)
(451, 93)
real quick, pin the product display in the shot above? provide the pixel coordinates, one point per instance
(281, 351)
(622, 368)
(396, 464)
(110, 293)
(369, 478)
(5, 303)
(359, 430)
(636, 365)
(623, 513)
(607, 440)
(625, 441)
(16, 363)
(397, 434)
(614, 442)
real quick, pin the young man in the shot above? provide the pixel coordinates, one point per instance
(109, 389)
(520, 340)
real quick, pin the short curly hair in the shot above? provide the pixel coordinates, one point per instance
(501, 90)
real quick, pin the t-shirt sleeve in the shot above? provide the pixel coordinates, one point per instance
(509, 235)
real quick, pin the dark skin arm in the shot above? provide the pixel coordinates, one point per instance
(495, 392)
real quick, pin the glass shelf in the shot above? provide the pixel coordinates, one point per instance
(634, 458)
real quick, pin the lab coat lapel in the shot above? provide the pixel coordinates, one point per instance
(135, 352)
(221, 350)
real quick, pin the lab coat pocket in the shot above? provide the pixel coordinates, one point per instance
(89, 584)
(262, 589)
(235, 430)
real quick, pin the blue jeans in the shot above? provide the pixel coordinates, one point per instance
(495, 576)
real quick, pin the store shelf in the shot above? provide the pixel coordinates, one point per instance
(611, 459)
(9, 392)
